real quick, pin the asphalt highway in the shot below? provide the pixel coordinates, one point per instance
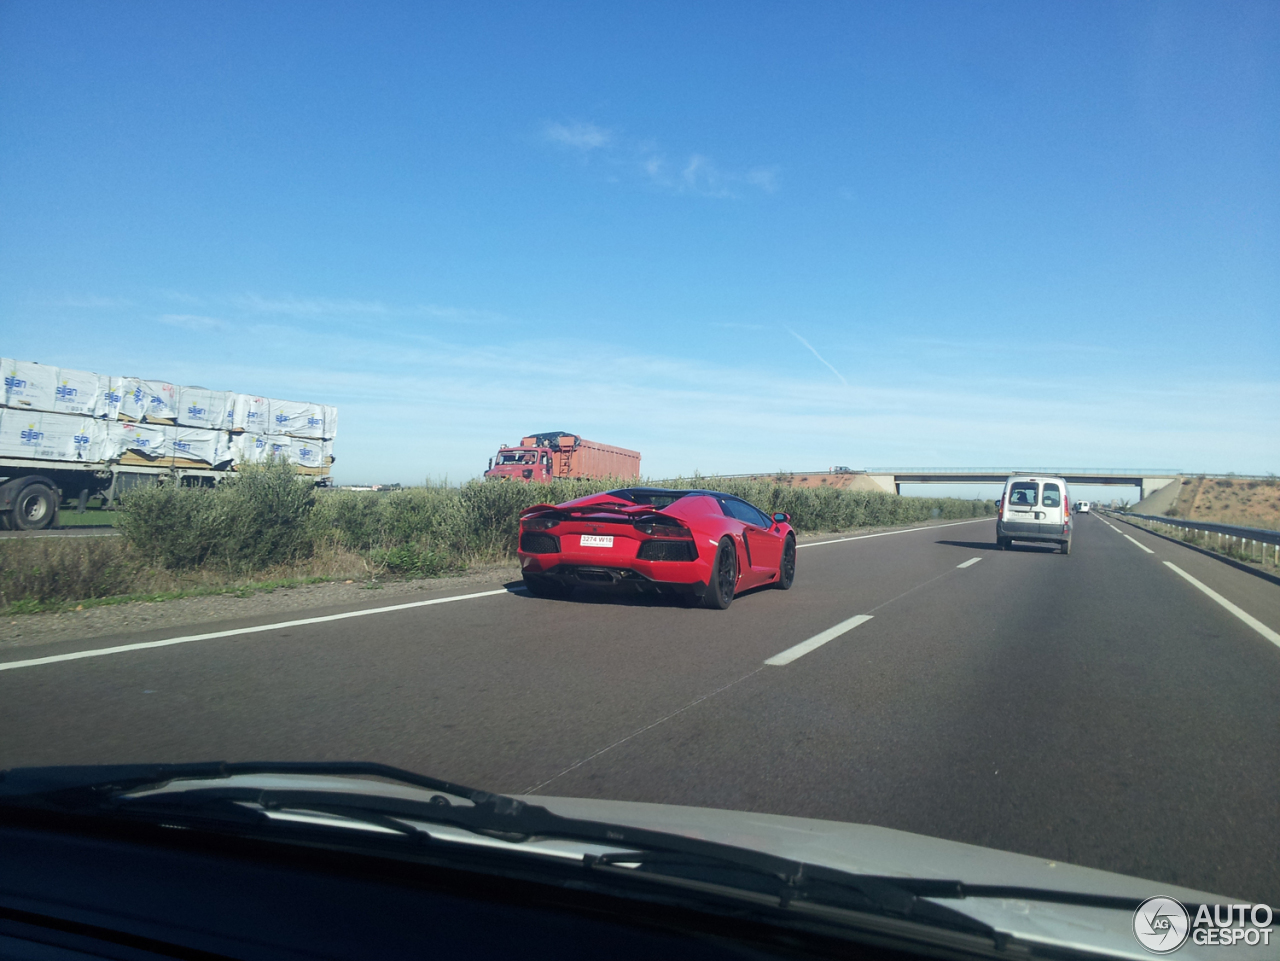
(1102, 708)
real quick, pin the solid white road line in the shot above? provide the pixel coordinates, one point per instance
(863, 537)
(1143, 546)
(1249, 619)
(278, 625)
(969, 563)
(815, 642)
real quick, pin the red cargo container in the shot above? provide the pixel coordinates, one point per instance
(544, 457)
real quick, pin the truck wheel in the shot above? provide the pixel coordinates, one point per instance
(724, 577)
(34, 508)
(1066, 546)
(540, 586)
(1006, 543)
(787, 572)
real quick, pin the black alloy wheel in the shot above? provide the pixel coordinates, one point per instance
(787, 571)
(724, 577)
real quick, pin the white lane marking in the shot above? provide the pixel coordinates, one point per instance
(863, 537)
(969, 563)
(815, 642)
(1139, 544)
(1112, 526)
(1248, 618)
(191, 638)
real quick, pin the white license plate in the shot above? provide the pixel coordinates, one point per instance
(596, 540)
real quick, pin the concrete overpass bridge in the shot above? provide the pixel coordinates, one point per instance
(1149, 480)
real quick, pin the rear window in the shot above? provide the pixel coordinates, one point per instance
(1024, 493)
(1052, 496)
(654, 498)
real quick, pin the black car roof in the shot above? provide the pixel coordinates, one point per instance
(623, 492)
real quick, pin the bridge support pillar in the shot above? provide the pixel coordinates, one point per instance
(885, 482)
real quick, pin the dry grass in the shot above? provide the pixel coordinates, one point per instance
(1229, 500)
(53, 573)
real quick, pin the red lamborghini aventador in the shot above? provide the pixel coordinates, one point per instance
(701, 544)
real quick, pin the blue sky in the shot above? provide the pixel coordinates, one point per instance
(734, 236)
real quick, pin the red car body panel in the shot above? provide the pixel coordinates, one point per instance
(650, 539)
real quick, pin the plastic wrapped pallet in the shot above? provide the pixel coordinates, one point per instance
(131, 441)
(249, 413)
(29, 386)
(196, 445)
(107, 402)
(75, 392)
(248, 449)
(41, 435)
(308, 453)
(152, 401)
(298, 419)
(211, 409)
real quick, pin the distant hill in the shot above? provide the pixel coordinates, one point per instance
(1229, 500)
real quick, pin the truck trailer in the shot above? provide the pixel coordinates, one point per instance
(541, 458)
(67, 436)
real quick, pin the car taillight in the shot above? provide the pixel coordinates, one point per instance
(664, 530)
(540, 523)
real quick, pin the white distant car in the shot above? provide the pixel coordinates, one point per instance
(1082, 507)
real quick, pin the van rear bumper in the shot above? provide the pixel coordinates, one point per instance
(1020, 532)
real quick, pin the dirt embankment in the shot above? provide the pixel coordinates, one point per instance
(1230, 500)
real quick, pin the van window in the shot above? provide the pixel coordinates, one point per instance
(1052, 496)
(1023, 493)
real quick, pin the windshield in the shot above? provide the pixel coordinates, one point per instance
(525, 457)
(918, 366)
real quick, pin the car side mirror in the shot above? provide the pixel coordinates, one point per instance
(781, 518)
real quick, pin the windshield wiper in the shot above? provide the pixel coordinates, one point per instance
(134, 792)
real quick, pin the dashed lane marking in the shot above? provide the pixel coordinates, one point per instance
(1138, 543)
(815, 642)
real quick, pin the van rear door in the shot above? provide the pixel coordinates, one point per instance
(1053, 499)
(1022, 507)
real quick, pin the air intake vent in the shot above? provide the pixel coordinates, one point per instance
(668, 551)
(533, 542)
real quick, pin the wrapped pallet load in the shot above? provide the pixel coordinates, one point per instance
(107, 403)
(196, 447)
(250, 413)
(29, 386)
(148, 401)
(297, 419)
(140, 444)
(40, 435)
(210, 409)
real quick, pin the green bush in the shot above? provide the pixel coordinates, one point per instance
(255, 519)
(53, 568)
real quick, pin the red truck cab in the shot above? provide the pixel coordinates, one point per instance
(522, 463)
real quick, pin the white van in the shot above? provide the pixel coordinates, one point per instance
(1034, 509)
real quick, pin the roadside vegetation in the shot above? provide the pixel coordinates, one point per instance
(263, 529)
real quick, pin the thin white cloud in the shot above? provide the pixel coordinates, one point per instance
(580, 136)
(697, 175)
(194, 322)
(308, 306)
(88, 302)
(818, 355)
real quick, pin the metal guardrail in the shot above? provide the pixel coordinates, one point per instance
(1259, 534)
